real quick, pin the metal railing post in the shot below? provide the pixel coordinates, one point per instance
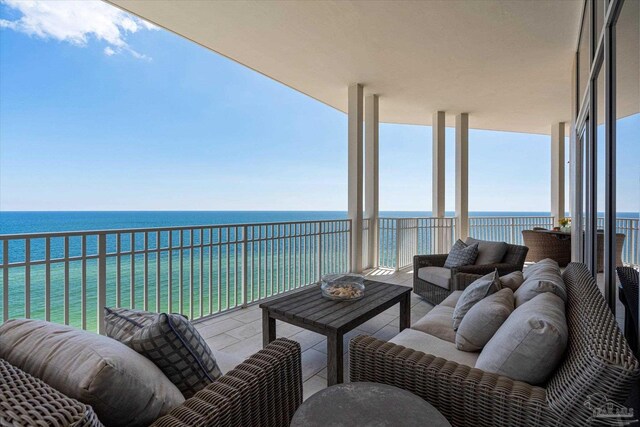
(102, 280)
(512, 231)
(245, 271)
(319, 251)
(398, 243)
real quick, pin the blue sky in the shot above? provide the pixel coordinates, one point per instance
(125, 117)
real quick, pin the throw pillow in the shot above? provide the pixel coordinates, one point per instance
(530, 344)
(461, 254)
(475, 292)
(123, 387)
(483, 320)
(543, 276)
(121, 323)
(176, 347)
(512, 280)
(488, 252)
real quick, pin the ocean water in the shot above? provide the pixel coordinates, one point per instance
(199, 279)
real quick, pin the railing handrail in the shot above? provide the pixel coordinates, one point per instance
(416, 217)
(75, 233)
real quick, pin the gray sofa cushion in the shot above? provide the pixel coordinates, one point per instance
(461, 254)
(543, 276)
(483, 320)
(452, 299)
(481, 288)
(488, 252)
(178, 349)
(123, 387)
(530, 344)
(437, 322)
(512, 280)
(439, 276)
(429, 344)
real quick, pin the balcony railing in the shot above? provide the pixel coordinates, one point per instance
(629, 227)
(506, 228)
(67, 277)
(402, 238)
(197, 271)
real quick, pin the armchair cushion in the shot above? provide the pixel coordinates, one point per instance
(461, 254)
(439, 276)
(419, 341)
(437, 322)
(488, 252)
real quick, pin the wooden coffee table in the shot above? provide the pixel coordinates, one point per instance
(308, 309)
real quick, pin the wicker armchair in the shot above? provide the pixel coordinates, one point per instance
(513, 260)
(543, 244)
(598, 363)
(28, 401)
(628, 295)
(264, 390)
(557, 246)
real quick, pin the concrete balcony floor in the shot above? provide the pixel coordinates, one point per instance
(240, 332)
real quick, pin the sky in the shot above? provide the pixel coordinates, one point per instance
(102, 111)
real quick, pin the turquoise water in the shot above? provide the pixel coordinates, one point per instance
(204, 279)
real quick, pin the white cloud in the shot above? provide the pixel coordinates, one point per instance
(77, 22)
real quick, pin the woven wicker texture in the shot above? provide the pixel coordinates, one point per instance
(264, 390)
(513, 261)
(547, 245)
(28, 401)
(598, 360)
(628, 295)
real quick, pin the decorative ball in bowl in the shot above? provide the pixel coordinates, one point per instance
(343, 287)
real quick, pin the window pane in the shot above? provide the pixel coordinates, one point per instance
(584, 56)
(628, 127)
(600, 11)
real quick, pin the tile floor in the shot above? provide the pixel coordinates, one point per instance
(240, 332)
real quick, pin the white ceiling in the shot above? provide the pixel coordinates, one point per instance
(505, 62)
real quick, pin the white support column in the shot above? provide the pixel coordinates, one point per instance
(438, 177)
(355, 174)
(557, 172)
(371, 176)
(462, 175)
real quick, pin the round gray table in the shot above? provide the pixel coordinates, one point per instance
(367, 404)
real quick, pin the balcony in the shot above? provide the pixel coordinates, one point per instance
(217, 275)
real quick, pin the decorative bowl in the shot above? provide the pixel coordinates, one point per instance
(342, 287)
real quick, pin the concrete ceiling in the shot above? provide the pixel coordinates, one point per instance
(505, 62)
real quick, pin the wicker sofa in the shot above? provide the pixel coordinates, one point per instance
(513, 260)
(597, 363)
(264, 390)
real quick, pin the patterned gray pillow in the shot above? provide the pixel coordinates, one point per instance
(176, 347)
(461, 254)
(121, 323)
